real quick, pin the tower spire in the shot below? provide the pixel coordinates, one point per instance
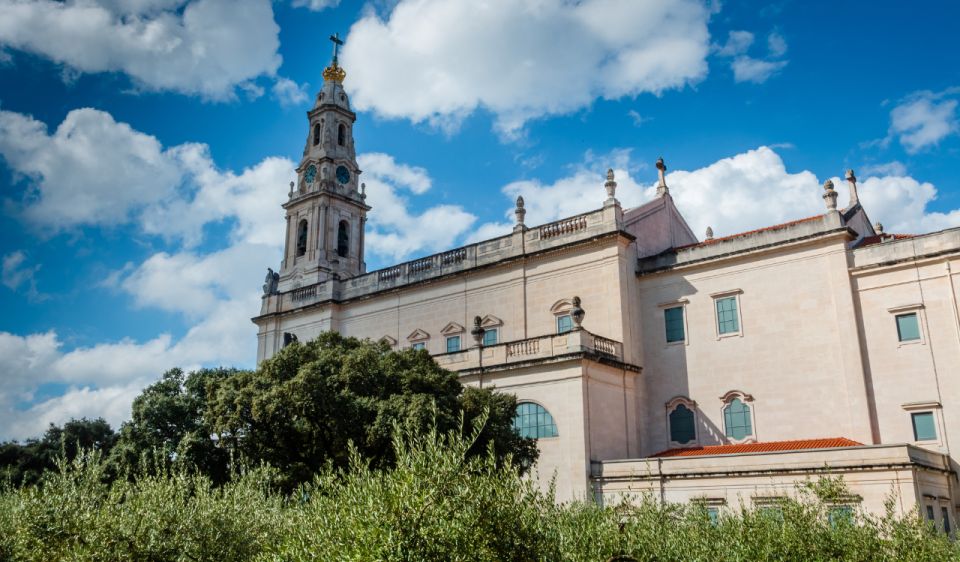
(334, 72)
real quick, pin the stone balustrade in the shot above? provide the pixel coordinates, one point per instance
(504, 248)
(542, 347)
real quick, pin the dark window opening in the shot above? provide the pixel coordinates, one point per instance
(289, 338)
(343, 239)
(316, 134)
(302, 238)
(341, 135)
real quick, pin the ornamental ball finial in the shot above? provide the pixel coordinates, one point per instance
(609, 174)
(851, 176)
(828, 185)
(709, 233)
(661, 165)
(519, 201)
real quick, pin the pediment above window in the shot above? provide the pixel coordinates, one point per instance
(677, 400)
(418, 335)
(743, 396)
(388, 340)
(452, 329)
(490, 321)
(562, 306)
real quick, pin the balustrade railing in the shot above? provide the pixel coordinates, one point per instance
(523, 347)
(605, 346)
(305, 293)
(566, 226)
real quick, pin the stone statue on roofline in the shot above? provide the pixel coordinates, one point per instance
(271, 282)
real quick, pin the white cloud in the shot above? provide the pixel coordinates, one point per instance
(749, 69)
(894, 168)
(393, 230)
(74, 184)
(16, 273)
(750, 190)
(316, 5)
(737, 44)
(752, 69)
(438, 61)
(205, 47)
(776, 44)
(637, 119)
(289, 92)
(924, 119)
(96, 171)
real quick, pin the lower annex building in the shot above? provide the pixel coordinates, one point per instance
(724, 371)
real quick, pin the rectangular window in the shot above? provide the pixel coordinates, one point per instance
(419, 345)
(453, 344)
(908, 329)
(930, 515)
(945, 513)
(714, 514)
(673, 323)
(491, 336)
(564, 324)
(924, 428)
(839, 515)
(727, 320)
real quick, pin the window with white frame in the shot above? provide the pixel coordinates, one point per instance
(564, 324)
(738, 416)
(491, 336)
(908, 323)
(682, 421)
(453, 344)
(726, 308)
(418, 345)
(561, 312)
(418, 339)
(925, 421)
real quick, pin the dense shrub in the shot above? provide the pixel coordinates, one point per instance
(438, 502)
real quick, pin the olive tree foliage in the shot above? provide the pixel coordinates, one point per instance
(439, 501)
(306, 406)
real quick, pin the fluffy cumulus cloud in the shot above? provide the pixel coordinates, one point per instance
(204, 47)
(17, 273)
(422, 62)
(924, 119)
(396, 232)
(750, 190)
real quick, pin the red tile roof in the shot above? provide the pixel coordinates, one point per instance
(749, 232)
(825, 443)
(876, 238)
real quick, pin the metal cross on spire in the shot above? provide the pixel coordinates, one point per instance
(337, 42)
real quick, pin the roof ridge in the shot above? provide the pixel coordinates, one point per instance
(759, 447)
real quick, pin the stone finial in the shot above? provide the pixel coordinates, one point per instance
(611, 186)
(520, 213)
(662, 188)
(878, 228)
(852, 180)
(829, 195)
(290, 193)
(709, 233)
(363, 191)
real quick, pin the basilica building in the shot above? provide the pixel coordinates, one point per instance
(724, 370)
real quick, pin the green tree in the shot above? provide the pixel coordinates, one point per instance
(303, 407)
(24, 463)
(168, 426)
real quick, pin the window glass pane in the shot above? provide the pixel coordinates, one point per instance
(945, 516)
(564, 324)
(907, 327)
(532, 420)
(682, 428)
(736, 419)
(419, 345)
(491, 336)
(727, 321)
(673, 322)
(714, 514)
(930, 515)
(839, 515)
(453, 344)
(924, 428)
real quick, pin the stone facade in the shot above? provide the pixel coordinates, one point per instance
(819, 328)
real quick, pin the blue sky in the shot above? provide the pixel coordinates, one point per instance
(146, 145)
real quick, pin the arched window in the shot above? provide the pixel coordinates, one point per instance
(341, 134)
(343, 239)
(682, 428)
(736, 420)
(316, 134)
(302, 238)
(532, 420)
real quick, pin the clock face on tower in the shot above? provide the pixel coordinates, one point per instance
(343, 174)
(310, 174)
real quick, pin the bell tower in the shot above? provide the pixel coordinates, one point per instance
(326, 211)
